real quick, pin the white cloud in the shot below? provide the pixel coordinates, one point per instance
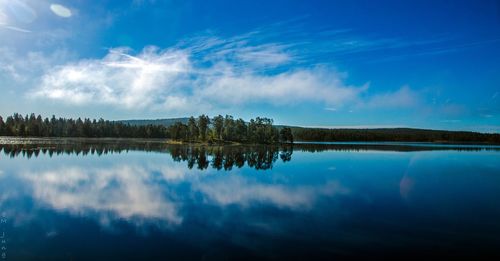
(200, 74)
(315, 85)
(179, 79)
(117, 79)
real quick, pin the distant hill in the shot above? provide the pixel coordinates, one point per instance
(376, 134)
(164, 122)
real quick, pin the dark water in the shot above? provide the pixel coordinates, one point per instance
(116, 201)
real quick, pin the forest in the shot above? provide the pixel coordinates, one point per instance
(394, 134)
(218, 129)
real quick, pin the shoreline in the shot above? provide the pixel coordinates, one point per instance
(10, 140)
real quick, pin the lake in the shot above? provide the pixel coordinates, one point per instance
(147, 200)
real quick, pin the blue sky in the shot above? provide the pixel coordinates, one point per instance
(427, 64)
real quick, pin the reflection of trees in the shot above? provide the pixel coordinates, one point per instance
(218, 157)
(229, 157)
(286, 153)
(401, 147)
(196, 156)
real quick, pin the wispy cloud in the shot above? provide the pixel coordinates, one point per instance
(15, 12)
(349, 44)
(404, 97)
(251, 49)
(435, 50)
(14, 28)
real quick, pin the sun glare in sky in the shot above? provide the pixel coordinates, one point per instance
(60, 10)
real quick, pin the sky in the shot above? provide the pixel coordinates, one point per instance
(361, 64)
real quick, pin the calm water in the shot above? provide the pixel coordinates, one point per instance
(150, 201)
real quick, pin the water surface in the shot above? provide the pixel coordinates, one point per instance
(117, 201)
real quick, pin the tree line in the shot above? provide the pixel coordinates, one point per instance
(396, 135)
(218, 129)
(222, 129)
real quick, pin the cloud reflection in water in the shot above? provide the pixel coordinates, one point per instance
(125, 192)
(151, 192)
(237, 190)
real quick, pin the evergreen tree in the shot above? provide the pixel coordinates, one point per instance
(229, 129)
(286, 135)
(203, 123)
(2, 127)
(218, 126)
(193, 129)
(240, 129)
